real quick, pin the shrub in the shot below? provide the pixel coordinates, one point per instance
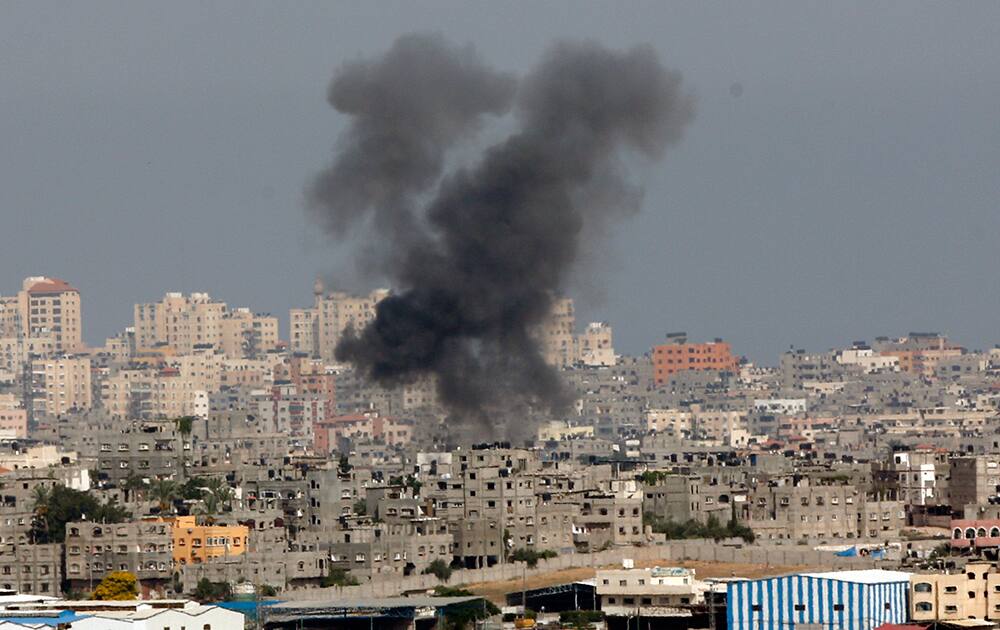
(338, 577)
(531, 556)
(117, 586)
(440, 569)
(209, 591)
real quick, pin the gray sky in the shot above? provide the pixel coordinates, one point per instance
(850, 191)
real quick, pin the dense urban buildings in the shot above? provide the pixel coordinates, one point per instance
(208, 449)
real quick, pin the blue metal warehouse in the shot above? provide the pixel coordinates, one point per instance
(852, 600)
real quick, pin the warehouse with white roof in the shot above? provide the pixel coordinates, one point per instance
(852, 600)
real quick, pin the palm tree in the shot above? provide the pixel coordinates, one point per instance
(220, 491)
(164, 491)
(134, 484)
(42, 496)
(208, 509)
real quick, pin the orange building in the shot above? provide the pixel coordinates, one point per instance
(680, 355)
(195, 543)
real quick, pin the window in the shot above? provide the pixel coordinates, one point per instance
(922, 587)
(800, 607)
(924, 606)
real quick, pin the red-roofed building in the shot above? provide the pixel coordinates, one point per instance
(977, 533)
(50, 307)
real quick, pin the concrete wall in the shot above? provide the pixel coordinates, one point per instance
(676, 551)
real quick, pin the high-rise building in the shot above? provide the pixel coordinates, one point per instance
(60, 386)
(316, 331)
(186, 322)
(44, 308)
(678, 355)
(556, 334)
(594, 346)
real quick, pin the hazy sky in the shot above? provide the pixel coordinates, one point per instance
(840, 180)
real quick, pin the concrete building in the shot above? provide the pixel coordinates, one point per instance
(595, 346)
(315, 331)
(44, 308)
(678, 355)
(974, 480)
(972, 593)
(556, 334)
(13, 417)
(61, 385)
(654, 593)
(195, 544)
(142, 548)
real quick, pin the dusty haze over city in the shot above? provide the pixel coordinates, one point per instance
(838, 181)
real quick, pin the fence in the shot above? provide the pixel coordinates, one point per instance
(674, 551)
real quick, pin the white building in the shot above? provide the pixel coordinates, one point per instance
(783, 406)
(656, 592)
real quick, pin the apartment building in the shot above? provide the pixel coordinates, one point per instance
(13, 417)
(44, 308)
(194, 543)
(971, 593)
(61, 385)
(974, 480)
(674, 497)
(141, 547)
(556, 334)
(834, 512)
(243, 333)
(595, 345)
(188, 322)
(610, 517)
(374, 550)
(31, 569)
(315, 331)
(677, 355)
(152, 449)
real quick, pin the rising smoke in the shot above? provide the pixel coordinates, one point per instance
(477, 255)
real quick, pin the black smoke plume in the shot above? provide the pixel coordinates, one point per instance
(478, 255)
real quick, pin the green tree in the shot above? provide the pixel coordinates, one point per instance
(531, 556)
(60, 505)
(216, 494)
(440, 569)
(209, 591)
(164, 492)
(185, 425)
(116, 586)
(459, 616)
(338, 577)
(711, 528)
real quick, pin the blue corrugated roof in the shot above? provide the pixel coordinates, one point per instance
(64, 616)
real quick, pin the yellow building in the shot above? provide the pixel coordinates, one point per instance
(973, 593)
(194, 544)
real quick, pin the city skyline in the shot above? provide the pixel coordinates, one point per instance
(847, 190)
